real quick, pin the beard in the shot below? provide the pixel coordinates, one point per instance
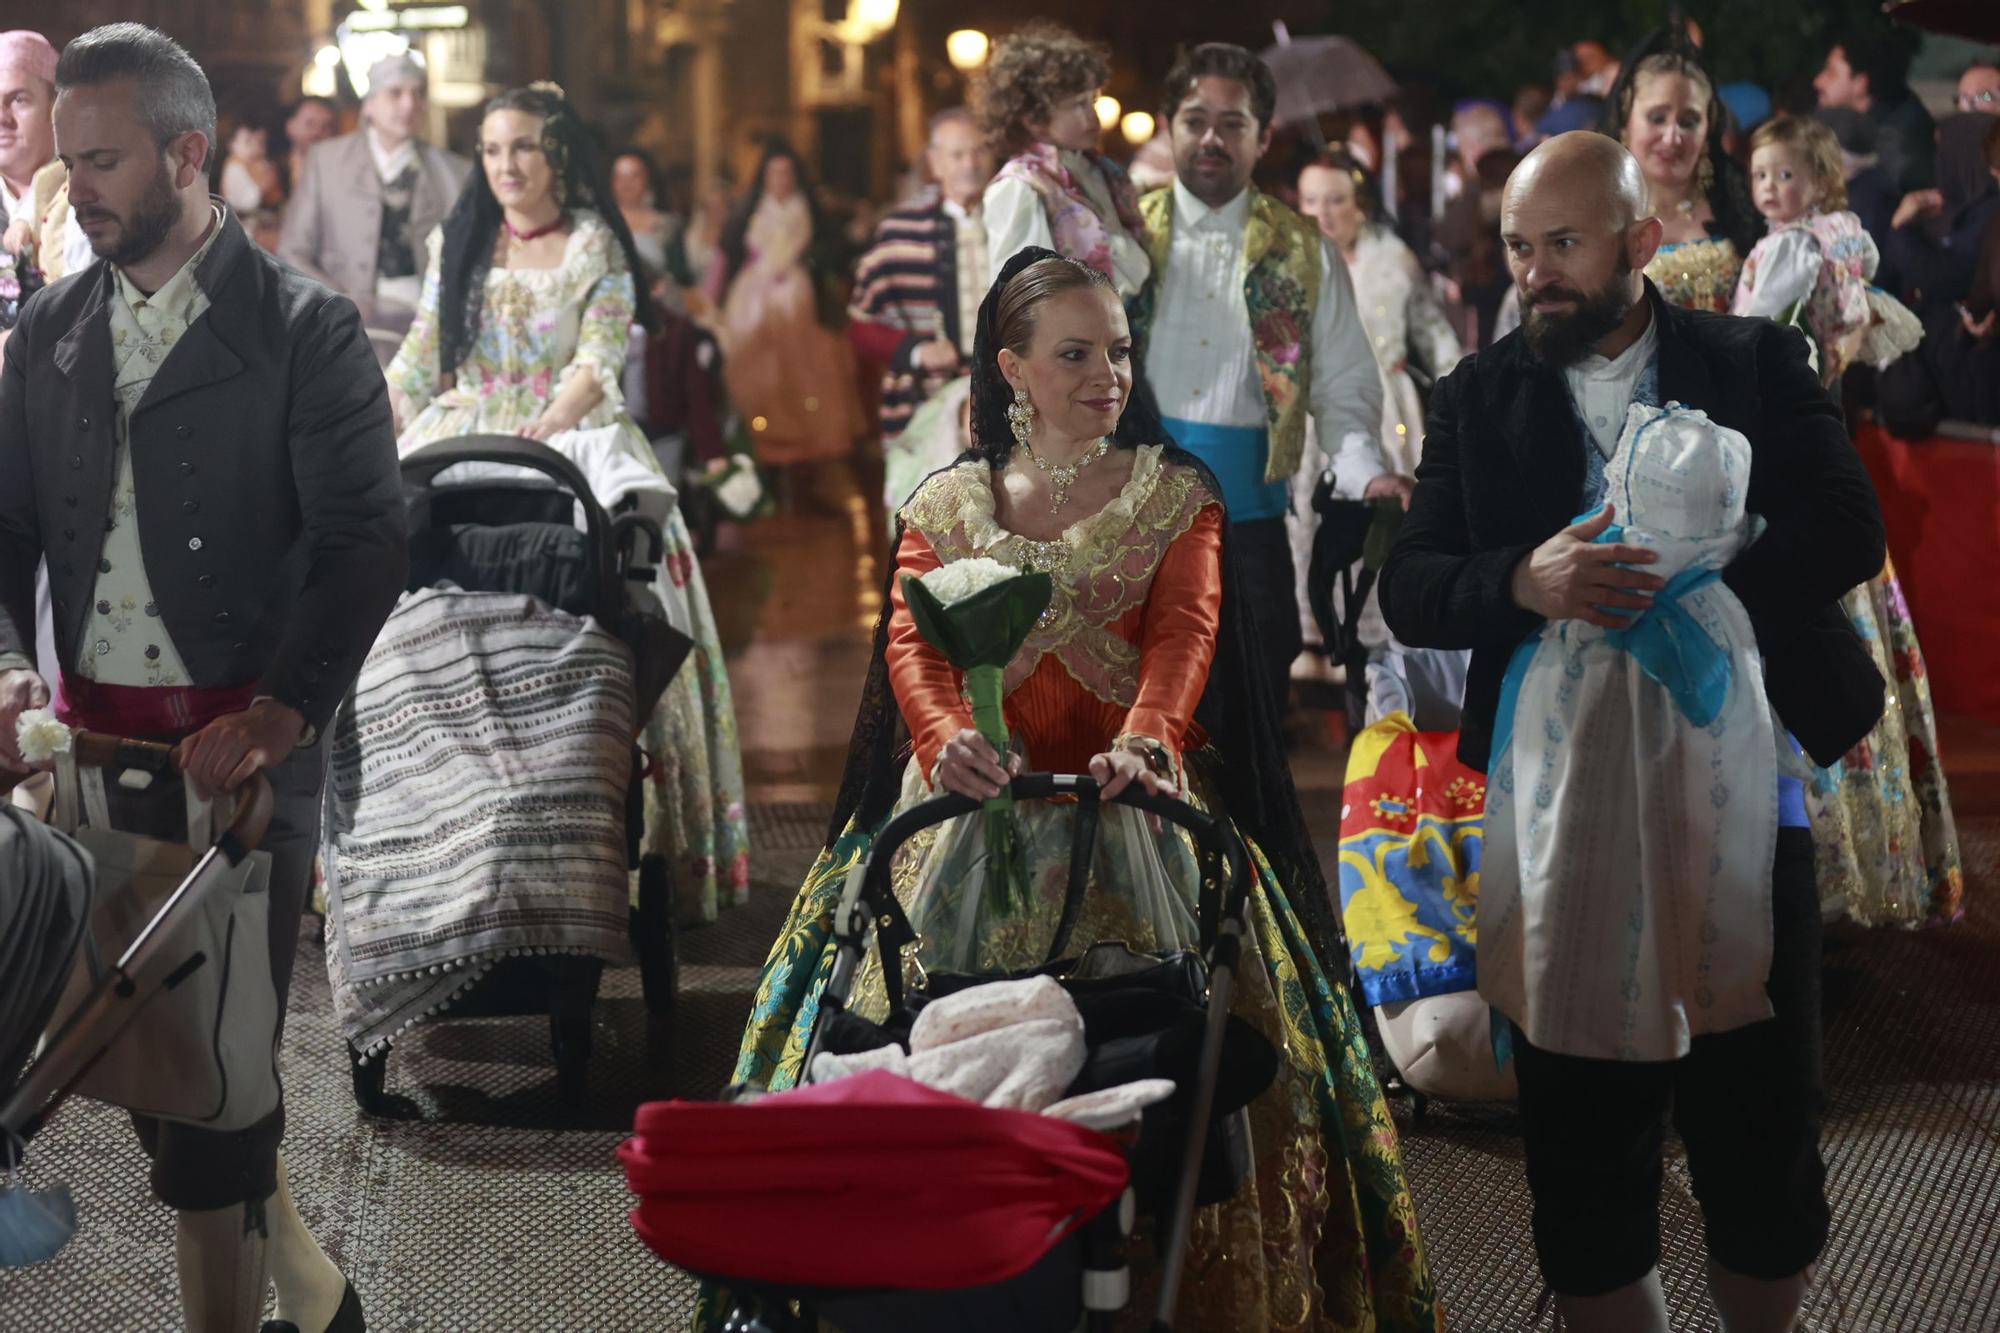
(143, 230)
(1563, 340)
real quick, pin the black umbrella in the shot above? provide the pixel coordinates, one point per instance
(1977, 20)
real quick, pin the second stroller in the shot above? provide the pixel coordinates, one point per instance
(484, 799)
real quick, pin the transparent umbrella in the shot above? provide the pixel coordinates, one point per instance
(1320, 74)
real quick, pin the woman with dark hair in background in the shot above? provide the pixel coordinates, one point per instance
(1056, 190)
(1144, 671)
(1664, 108)
(790, 375)
(1407, 328)
(635, 182)
(522, 329)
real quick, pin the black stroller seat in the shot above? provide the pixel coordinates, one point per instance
(520, 535)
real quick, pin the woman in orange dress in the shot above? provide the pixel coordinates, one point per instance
(1141, 670)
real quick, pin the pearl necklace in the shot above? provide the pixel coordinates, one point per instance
(1061, 477)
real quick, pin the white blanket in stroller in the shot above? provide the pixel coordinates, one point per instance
(1017, 1044)
(476, 804)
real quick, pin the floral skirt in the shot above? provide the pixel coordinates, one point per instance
(1322, 1236)
(1885, 845)
(695, 811)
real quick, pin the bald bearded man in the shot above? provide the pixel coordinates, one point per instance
(1492, 550)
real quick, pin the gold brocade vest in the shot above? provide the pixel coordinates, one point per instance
(1281, 292)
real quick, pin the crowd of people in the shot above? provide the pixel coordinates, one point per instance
(1137, 393)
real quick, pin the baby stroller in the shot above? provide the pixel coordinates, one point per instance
(46, 929)
(517, 534)
(1160, 1015)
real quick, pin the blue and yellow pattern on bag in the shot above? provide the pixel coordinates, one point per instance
(1411, 831)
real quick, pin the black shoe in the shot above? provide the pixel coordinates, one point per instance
(347, 1319)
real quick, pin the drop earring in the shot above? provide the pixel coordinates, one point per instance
(1021, 416)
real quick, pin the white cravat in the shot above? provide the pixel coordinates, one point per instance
(389, 162)
(17, 204)
(1602, 389)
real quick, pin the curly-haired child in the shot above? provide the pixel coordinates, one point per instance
(1815, 264)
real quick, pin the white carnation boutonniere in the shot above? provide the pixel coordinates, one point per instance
(41, 736)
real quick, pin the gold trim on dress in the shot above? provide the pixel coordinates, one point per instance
(1102, 566)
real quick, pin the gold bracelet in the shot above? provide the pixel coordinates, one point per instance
(1159, 759)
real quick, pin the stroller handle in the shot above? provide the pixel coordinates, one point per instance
(423, 466)
(876, 902)
(95, 749)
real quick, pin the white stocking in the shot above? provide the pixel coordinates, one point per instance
(220, 1254)
(1754, 1305)
(309, 1284)
(1638, 1307)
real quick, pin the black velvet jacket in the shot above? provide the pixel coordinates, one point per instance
(1503, 471)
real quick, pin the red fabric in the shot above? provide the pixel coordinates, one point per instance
(144, 712)
(872, 1180)
(1941, 505)
(680, 394)
(875, 344)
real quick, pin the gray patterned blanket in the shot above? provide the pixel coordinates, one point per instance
(476, 805)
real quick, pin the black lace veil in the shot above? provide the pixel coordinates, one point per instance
(1245, 756)
(1736, 217)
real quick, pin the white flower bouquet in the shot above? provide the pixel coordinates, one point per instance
(977, 613)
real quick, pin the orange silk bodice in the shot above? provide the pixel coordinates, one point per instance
(1129, 635)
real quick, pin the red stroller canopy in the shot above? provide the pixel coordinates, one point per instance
(868, 1181)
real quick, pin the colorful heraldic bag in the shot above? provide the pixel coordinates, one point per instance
(1411, 833)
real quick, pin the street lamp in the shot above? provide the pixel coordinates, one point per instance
(966, 49)
(1137, 127)
(1107, 111)
(871, 18)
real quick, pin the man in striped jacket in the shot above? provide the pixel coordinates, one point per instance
(917, 290)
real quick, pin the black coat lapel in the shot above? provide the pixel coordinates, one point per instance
(1541, 429)
(201, 356)
(1684, 376)
(83, 355)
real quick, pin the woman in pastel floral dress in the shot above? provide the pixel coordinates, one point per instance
(522, 330)
(1140, 672)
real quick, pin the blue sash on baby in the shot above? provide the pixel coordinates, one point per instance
(1675, 651)
(1237, 455)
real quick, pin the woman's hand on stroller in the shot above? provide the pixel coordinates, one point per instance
(970, 766)
(1117, 769)
(226, 753)
(580, 393)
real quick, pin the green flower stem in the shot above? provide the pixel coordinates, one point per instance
(1006, 877)
(989, 718)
